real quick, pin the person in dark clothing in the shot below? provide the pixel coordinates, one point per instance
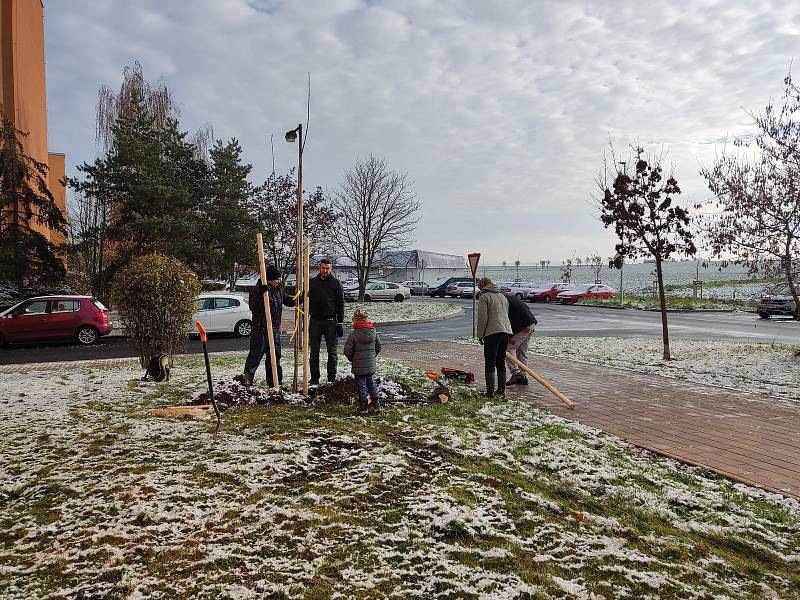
(259, 344)
(326, 308)
(522, 322)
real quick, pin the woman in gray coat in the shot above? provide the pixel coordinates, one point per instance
(494, 330)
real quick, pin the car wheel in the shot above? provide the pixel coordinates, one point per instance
(87, 335)
(243, 328)
(519, 296)
(412, 292)
(367, 298)
(548, 299)
(399, 298)
(764, 315)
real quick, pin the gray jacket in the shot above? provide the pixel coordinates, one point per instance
(362, 348)
(492, 312)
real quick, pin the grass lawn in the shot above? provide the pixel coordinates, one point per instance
(472, 499)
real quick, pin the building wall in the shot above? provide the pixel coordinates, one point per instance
(55, 183)
(24, 93)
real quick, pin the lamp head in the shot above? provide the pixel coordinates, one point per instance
(291, 135)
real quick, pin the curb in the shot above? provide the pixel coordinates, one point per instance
(669, 310)
(118, 332)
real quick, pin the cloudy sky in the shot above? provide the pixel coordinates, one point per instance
(499, 111)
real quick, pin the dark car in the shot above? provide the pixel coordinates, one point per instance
(779, 304)
(45, 318)
(440, 289)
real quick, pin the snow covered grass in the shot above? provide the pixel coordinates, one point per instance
(673, 303)
(410, 310)
(768, 369)
(471, 499)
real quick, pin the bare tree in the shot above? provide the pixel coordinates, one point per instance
(543, 263)
(579, 262)
(595, 262)
(756, 212)
(376, 211)
(638, 203)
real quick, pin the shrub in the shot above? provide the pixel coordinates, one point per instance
(155, 296)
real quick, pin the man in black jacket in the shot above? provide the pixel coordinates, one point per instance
(326, 305)
(522, 322)
(259, 343)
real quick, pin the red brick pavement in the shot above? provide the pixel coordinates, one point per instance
(743, 436)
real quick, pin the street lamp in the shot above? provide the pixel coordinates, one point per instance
(291, 136)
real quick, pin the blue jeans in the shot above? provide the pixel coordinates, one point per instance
(366, 389)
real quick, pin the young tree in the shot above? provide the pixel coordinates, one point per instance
(274, 208)
(638, 203)
(595, 262)
(542, 263)
(376, 210)
(579, 262)
(566, 270)
(230, 226)
(756, 214)
(516, 264)
(26, 256)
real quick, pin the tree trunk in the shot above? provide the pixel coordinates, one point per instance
(793, 290)
(663, 301)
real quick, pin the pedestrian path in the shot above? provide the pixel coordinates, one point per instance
(743, 436)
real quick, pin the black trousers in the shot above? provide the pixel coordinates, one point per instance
(259, 347)
(317, 329)
(494, 352)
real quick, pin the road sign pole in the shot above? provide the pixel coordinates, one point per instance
(474, 258)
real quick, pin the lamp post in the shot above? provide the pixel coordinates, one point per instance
(299, 342)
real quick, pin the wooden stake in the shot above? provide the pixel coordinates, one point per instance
(306, 261)
(267, 311)
(533, 374)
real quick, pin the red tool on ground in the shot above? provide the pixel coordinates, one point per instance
(203, 339)
(458, 375)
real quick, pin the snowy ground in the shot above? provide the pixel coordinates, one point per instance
(471, 499)
(410, 310)
(769, 369)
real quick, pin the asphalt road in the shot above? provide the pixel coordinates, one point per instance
(554, 320)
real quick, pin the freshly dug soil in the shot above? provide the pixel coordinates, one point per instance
(229, 392)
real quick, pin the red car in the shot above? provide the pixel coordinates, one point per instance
(45, 318)
(548, 292)
(586, 290)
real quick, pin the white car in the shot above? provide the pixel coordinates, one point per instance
(224, 313)
(380, 290)
(520, 289)
(418, 288)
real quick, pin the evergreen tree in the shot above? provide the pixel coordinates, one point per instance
(26, 256)
(231, 228)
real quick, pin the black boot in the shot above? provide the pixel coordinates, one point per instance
(362, 407)
(244, 378)
(490, 383)
(501, 383)
(515, 379)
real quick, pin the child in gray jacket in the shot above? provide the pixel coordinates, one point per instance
(361, 349)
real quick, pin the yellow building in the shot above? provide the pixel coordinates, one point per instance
(24, 93)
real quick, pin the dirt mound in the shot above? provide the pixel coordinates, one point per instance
(228, 392)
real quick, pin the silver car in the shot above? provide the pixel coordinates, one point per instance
(418, 288)
(380, 290)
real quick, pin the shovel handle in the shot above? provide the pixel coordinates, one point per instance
(201, 330)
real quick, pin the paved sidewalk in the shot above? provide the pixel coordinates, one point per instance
(740, 435)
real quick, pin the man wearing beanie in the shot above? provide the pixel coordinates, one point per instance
(326, 305)
(259, 344)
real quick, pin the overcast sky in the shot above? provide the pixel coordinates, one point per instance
(500, 112)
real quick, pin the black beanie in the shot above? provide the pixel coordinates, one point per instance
(273, 273)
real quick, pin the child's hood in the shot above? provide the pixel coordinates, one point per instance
(364, 332)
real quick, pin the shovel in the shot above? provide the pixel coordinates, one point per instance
(203, 338)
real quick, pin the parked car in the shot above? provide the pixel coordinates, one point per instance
(44, 318)
(468, 291)
(548, 291)
(517, 288)
(586, 290)
(418, 288)
(224, 313)
(454, 289)
(380, 290)
(440, 287)
(776, 304)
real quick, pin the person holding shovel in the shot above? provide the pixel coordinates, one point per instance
(493, 331)
(522, 322)
(259, 344)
